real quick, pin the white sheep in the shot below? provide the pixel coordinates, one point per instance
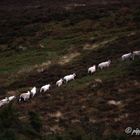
(45, 88)
(33, 91)
(1, 103)
(113, 102)
(92, 69)
(25, 96)
(104, 64)
(136, 53)
(127, 56)
(11, 98)
(59, 82)
(69, 77)
(4, 101)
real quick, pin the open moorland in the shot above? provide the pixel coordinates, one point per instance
(41, 42)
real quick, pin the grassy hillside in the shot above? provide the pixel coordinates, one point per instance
(36, 51)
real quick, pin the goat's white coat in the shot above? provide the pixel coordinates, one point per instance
(33, 91)
(69, 77)
(45, 88)
(92, 69)
(104, 64)
(113, 102)
(59, 82)
(136, 53)
(25, 96)
(4, 101)
(11, 98)
(127, 56)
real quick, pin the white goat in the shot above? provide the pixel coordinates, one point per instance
(25, 96)
(112, 102)
(59, 82)
(104, 64)
(4, 101)
(1, 103)
(11, 98)
(33, 91)
(69, 77)
(45, 88)
(136, 53)
(127, 56)
(92, 69)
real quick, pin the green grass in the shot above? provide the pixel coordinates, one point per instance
(16, 61)
(118, 71)
(61, 38)
(58, 43)
(54, 48)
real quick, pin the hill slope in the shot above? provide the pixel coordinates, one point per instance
(42, 51)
